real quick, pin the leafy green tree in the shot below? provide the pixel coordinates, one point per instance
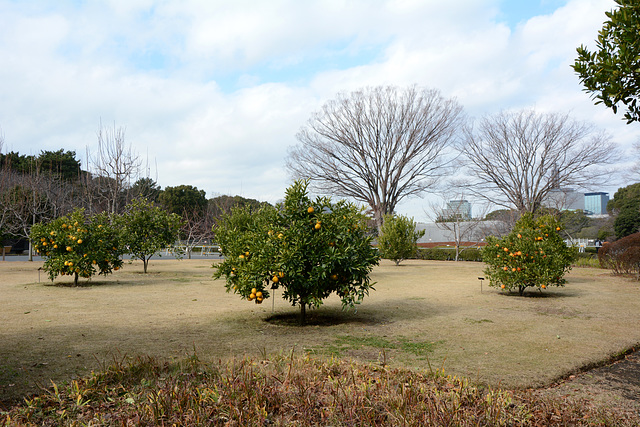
(60, 163)
(611, 73)
(145, 188)
(146, 228)
(183, 198)
(627, 222)
(398, 238)
(532, 255)
(221, 205)
(77, 245)
(628, 196)
(309, 248)
(625, 206)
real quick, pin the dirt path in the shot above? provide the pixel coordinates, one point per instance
(616, 385)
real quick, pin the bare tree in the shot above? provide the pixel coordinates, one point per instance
(116, 165)
(455, 217)
(518, 158)
(197, 228)
(377, 145)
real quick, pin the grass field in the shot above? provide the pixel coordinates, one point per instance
(422, 313)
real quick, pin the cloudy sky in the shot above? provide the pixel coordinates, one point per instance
(213, 92)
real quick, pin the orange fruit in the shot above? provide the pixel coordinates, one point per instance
(275, 279)
(317, 226)
(513, 269)
(246, 254)
(258, 294)
(505, 268)
(519, 236)
(310, 209)
(280, 235)
(502, 286)
(241, 256)
(253, 291)
(334, 277)
(116, 268)
(69, 248)
(557, 228)
(544, 286)
(280, 274)
(506, 249)
(252, 296)
(79, 241)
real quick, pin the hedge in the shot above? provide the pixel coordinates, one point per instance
(449, 254)
(470, 254)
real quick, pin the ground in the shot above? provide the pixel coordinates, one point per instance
(423, 315)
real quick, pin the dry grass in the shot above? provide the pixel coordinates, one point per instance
(422, 312)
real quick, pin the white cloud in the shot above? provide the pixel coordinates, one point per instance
(214, 92)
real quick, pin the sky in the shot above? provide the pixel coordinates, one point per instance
(212, 93)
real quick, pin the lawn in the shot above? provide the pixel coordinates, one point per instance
(423, 313)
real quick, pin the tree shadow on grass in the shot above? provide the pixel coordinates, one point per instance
(536, 294)
(322, 317)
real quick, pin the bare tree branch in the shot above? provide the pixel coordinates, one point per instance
(518, 158)
(377, 145)
(116, 165)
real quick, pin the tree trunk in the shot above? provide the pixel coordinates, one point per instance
(303, 314)
(521, 290)
(145, 263)
(75, 279)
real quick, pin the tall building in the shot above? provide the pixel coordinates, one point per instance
(596, 203)
(564, 199)
(457, 209)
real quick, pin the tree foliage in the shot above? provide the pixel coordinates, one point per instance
(532, 255)
(377, 145)
(517, 158)
(611, 73)
(183, 198)
(309, 248)
(146, 228)
(77, 245)
(625, 205)
(398, 238)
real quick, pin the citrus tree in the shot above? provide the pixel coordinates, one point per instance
(308, 248)
(398, 238)
(77, 245)
(532, 255)
(146, 228)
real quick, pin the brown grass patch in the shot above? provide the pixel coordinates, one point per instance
(61, 332)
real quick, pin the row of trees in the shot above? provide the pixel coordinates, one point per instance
(381, 145)
(36, 189)
(82, 245)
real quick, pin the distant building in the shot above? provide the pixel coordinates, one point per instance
(565, 199)
(596, 203)
(460, 209)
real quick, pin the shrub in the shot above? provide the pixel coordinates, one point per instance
(309, 248)
(532, 255)
(77, 245)
(398, 238)
(146, 228)
(621, 256)
(449, 254)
